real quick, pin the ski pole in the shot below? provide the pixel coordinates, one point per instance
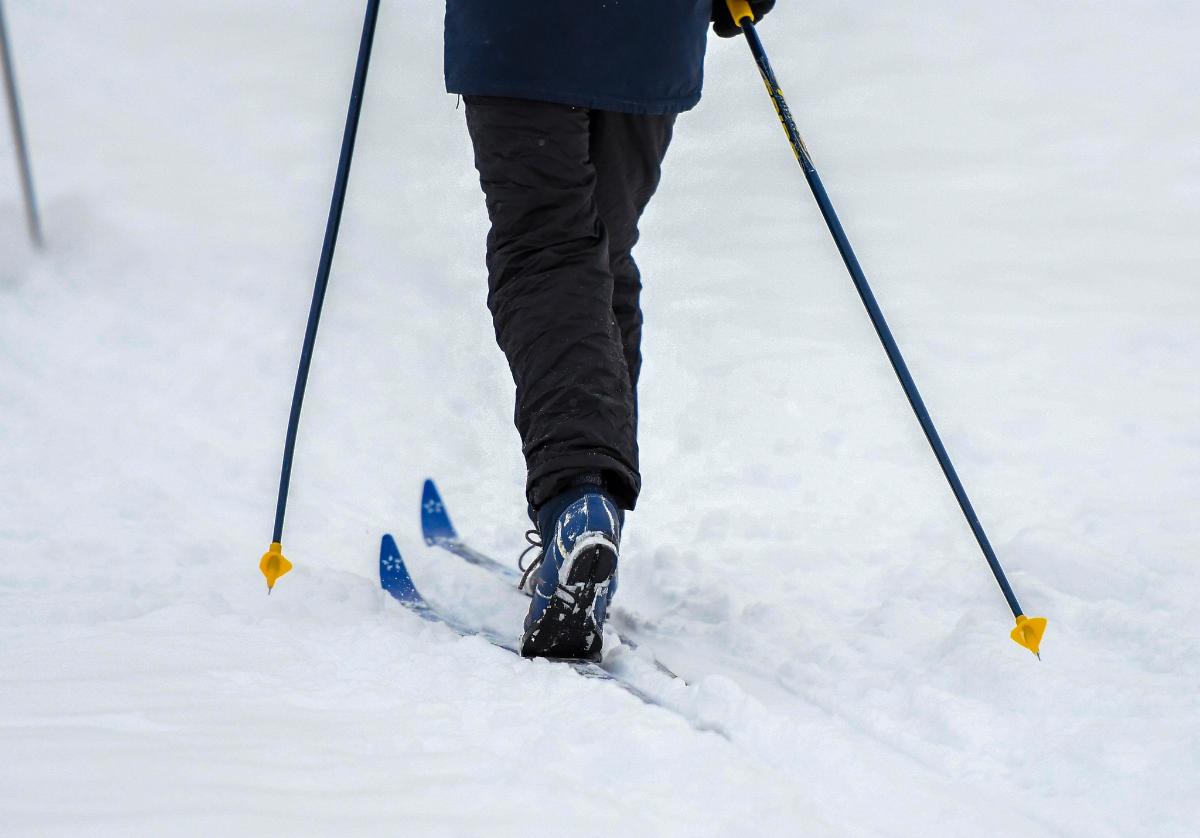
(18, 132)
(273, 563)
(1029, 630)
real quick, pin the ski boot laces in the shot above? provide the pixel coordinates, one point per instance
(535, 546)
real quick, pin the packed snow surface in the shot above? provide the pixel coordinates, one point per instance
(1022, 183)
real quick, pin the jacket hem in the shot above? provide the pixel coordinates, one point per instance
(599, 102)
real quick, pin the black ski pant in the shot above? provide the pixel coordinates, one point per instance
(565, 187)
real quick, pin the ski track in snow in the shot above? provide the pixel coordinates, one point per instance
(1022, 186)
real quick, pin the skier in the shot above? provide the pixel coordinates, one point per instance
(570, 107)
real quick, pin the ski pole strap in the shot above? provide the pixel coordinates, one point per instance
(739, 10)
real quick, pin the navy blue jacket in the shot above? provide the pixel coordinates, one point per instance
(636, 56)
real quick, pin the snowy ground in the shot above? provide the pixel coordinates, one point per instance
(1022, 183)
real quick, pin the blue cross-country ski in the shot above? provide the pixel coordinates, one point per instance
(438, 531)
(395, 578)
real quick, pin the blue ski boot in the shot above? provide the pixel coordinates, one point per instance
(575, 578)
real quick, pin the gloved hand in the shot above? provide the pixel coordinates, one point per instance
(722, 20)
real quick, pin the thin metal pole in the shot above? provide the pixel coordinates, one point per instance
(18, 132)
(868, 300)
(331, 234)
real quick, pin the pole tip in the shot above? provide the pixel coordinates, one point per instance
(1028, 633)
(274, 564)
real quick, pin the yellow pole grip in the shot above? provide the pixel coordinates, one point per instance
(740, 10)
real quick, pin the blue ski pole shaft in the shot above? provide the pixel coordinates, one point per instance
(18, 132)
(323, 268)
(877, 319)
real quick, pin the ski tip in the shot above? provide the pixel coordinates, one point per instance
(393, 573)
(435, 521)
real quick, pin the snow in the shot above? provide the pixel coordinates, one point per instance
(1022, 185)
